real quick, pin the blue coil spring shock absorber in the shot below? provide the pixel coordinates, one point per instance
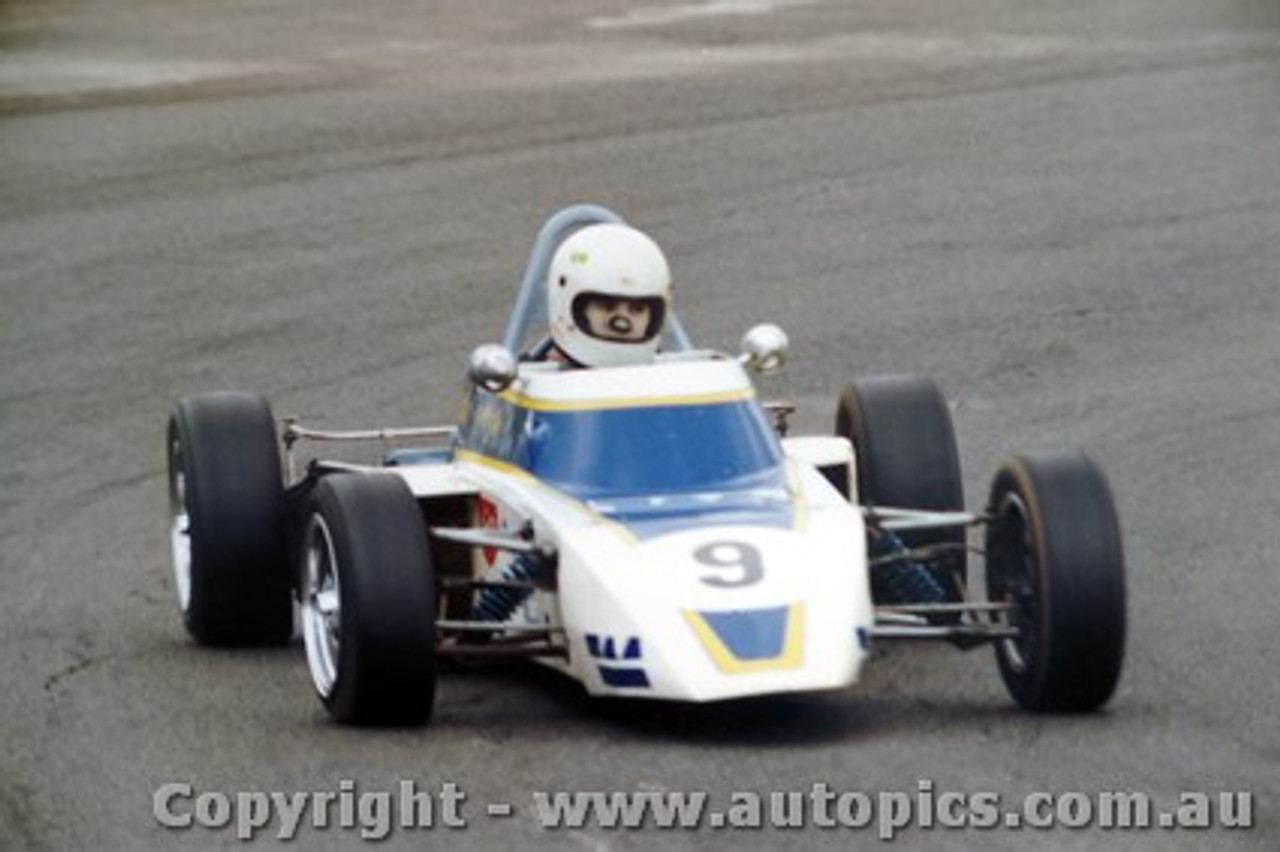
(902, 580)
(497, 603)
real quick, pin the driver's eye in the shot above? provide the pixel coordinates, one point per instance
(609, 305)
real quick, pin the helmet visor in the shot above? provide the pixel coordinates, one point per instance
(619, 319)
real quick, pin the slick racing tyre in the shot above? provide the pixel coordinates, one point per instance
(230, 562)
(1054, 553)
(905, 448)
(368, 602)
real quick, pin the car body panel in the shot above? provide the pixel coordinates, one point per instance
(695, 559)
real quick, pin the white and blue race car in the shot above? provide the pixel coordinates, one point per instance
(651, 531)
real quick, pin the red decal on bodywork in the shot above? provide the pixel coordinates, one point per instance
(487, 517)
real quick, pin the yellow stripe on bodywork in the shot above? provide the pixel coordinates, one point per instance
(532, 404)
(497, 464)
(791, 656)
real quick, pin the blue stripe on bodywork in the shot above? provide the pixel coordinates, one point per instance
(622, 678)
(655, 470)
(757, 634)
(658, 450)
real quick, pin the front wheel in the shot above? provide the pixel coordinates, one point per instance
(1054, 554)
(368, 602)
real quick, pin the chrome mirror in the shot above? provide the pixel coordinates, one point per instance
(492, 367)
(764, 348)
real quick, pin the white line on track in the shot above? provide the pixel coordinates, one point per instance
(659, 16)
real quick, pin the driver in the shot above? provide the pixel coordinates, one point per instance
(608, 293)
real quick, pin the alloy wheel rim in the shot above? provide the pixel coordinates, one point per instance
(321, 607)
(179, 526)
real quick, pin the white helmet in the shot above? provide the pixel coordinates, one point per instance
(608, 291)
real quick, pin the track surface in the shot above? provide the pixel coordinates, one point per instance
(1067, 213)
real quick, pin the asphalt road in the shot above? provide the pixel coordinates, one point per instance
(1066, 213)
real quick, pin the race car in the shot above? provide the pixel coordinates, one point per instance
(652, 531)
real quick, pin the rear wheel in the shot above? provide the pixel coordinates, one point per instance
(905, 448)
(1054, 553)
(227, 537)
(368, 602)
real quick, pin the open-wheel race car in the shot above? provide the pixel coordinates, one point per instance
(652, 531)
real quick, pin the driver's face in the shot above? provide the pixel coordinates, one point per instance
(617, 318)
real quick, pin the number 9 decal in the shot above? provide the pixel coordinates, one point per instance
(740, 564)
